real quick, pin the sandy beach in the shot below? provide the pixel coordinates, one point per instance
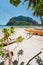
(30, 46)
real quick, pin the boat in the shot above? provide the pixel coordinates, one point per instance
(35, 31)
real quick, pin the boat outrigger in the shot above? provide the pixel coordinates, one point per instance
(35, 31)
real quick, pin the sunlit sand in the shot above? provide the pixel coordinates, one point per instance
(30, 46)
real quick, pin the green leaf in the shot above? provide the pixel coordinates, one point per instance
(15, 2)
(19, 39)
(11, 29)
(1, 40)
(5, 30)
(0, 45)
(1, 52)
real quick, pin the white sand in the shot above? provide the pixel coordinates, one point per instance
(30, 47)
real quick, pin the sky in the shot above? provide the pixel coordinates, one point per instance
(7, 11)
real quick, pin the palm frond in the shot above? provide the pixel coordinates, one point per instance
(15, 2)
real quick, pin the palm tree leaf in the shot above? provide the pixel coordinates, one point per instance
(15, 2)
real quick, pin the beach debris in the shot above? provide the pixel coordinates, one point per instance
(33, 57)
(39, 60)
